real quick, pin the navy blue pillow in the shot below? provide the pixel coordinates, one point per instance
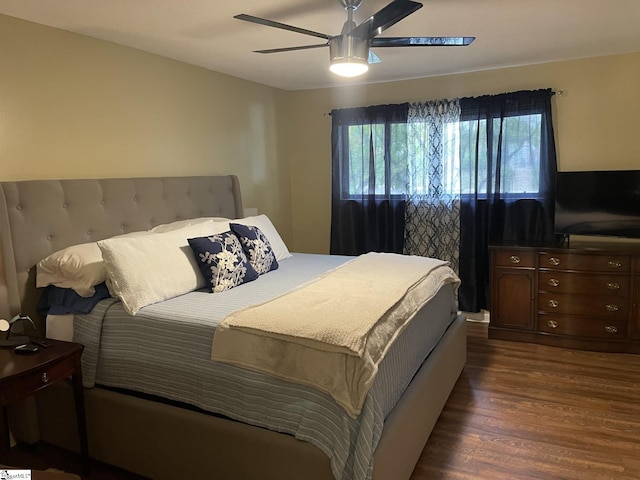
(222, 261)
(257, 247)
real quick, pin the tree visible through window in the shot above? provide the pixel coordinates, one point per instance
(389, 173)
(518, 137)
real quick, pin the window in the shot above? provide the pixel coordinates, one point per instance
(445, 178)
(387, 174)
(518, 142)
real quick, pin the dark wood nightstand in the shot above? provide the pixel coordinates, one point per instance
(22, 375)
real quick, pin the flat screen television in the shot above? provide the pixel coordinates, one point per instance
(598, 203)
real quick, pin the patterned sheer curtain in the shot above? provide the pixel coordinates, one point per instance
(432, 211)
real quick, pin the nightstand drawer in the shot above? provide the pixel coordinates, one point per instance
(587, 305)
(582, 327)
(21, 386)
(596, 284)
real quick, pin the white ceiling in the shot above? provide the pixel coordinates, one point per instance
(204, 33)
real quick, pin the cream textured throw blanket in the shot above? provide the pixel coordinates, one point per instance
(332, 332)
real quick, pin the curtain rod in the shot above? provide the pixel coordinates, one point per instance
(558, 92)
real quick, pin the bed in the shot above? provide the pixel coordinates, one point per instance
(139, 426)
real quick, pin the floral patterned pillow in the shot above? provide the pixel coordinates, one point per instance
(257, 247)
(222, 261)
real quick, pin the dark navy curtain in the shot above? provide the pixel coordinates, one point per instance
(507, 137)
(365, 214)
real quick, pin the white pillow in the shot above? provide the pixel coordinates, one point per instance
(79, 267)
(261, 221)
(264, 224)
(168, 227)
(152, 268)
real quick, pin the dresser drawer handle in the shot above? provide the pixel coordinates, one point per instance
(552, 324)
(612, 307)
(555, 261)
(514, 259)
(614, 263)
(613, 286)
(554, 282)
(554, 303)
(45, 378)
(611, 329)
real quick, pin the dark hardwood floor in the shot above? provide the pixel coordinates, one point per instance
(523, 411)
(518, 412)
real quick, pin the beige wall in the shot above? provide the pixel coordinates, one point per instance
(596, 124)
(75, 107)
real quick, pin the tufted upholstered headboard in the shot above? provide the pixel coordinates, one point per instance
(39, 217)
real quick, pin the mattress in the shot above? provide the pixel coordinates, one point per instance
(165, 351)
(60, 327)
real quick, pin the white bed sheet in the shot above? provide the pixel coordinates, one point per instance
(60, 327)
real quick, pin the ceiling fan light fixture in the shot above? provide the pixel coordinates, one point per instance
(349, 67)
(349, 55)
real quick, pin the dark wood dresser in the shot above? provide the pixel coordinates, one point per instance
(586, 296)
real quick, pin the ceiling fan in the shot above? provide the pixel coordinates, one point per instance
(350, 50)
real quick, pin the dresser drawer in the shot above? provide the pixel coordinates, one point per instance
(597, 306)
(592, 263)
(582, 327)
(514, 258)
(597, 284)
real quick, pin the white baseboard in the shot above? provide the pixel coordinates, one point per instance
(481, 316)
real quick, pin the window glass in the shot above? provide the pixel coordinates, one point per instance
(519, 147)
(387, 175)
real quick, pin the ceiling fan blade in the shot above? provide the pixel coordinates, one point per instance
(392, 14)
(422, 41)
(290, 49)
(385, 18)
(283, 26)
